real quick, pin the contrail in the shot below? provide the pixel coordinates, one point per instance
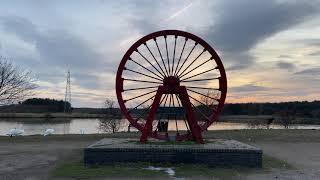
(179, 12)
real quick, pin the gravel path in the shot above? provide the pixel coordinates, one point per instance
(34, 160)
(304, 156)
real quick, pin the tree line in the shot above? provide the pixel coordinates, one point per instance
(59, 105)
(37, 105)
(298, 108)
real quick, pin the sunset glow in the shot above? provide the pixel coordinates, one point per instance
(270, 52)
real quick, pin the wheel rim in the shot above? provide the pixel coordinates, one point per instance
(162, 57)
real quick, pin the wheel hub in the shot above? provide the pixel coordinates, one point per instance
(171, 84)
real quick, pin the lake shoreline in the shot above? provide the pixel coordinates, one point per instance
(51, 115)
(56, 117)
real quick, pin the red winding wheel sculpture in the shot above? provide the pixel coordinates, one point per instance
(168, 78)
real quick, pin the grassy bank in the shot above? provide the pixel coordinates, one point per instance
(248, 135)
(263, 119)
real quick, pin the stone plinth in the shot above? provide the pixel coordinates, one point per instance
(217, 152)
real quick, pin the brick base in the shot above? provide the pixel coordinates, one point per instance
(217, 153)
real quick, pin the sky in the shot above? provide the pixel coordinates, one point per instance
(270, 49)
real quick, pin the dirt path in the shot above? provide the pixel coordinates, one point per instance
(304, 156)
(34, 160)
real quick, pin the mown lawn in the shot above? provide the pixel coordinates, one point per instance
(76, 169)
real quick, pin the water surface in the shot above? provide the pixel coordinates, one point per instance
(91, 126)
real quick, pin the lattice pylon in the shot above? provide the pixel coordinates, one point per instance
(67, 97)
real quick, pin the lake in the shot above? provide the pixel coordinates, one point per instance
(91, 126)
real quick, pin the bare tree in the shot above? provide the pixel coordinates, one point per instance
(15, 83)
(111, 123)
(286, 118)
(210, 97)
(206, 105)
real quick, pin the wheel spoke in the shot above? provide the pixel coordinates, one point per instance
(204, 50)
(134, 89)
(170, 99)
(195, 44)
(196, 67)
(184, 119)
(197, 109)
(164, 105)
(203, 88)
(155, 40)
(139, 96)
(184, 45)
(198, 101)
(199, 74)
(164, 99)
(175, 114)
(165, 39)
(149, 108)
(142, 103)
(201, 79)
(142, 74)
(154, 58)
(145, 68)
(138, 80)
(204, 95)
(174, 53)
(150, 63)
(143, 113)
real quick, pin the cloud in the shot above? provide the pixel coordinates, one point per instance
(243, 60)
(92, 44)
(242, 24)
(56, 47)
(249, 88)
(315, 53)
(285, 65)
(309, 41)
(310, 72)
(284, 56)
(58, 51)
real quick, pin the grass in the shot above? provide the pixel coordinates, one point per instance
(272, 135)
(76, 169)
(249, 135)
(73, 167)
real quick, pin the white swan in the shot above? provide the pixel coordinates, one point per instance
(82, 130)
(15, 132)
(48, 132)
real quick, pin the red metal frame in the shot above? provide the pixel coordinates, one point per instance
(171, 86)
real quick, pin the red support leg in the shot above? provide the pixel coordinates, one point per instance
(194, 127)
(147, 129)
(183, 95)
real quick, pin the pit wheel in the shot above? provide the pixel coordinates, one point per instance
(171, 78)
